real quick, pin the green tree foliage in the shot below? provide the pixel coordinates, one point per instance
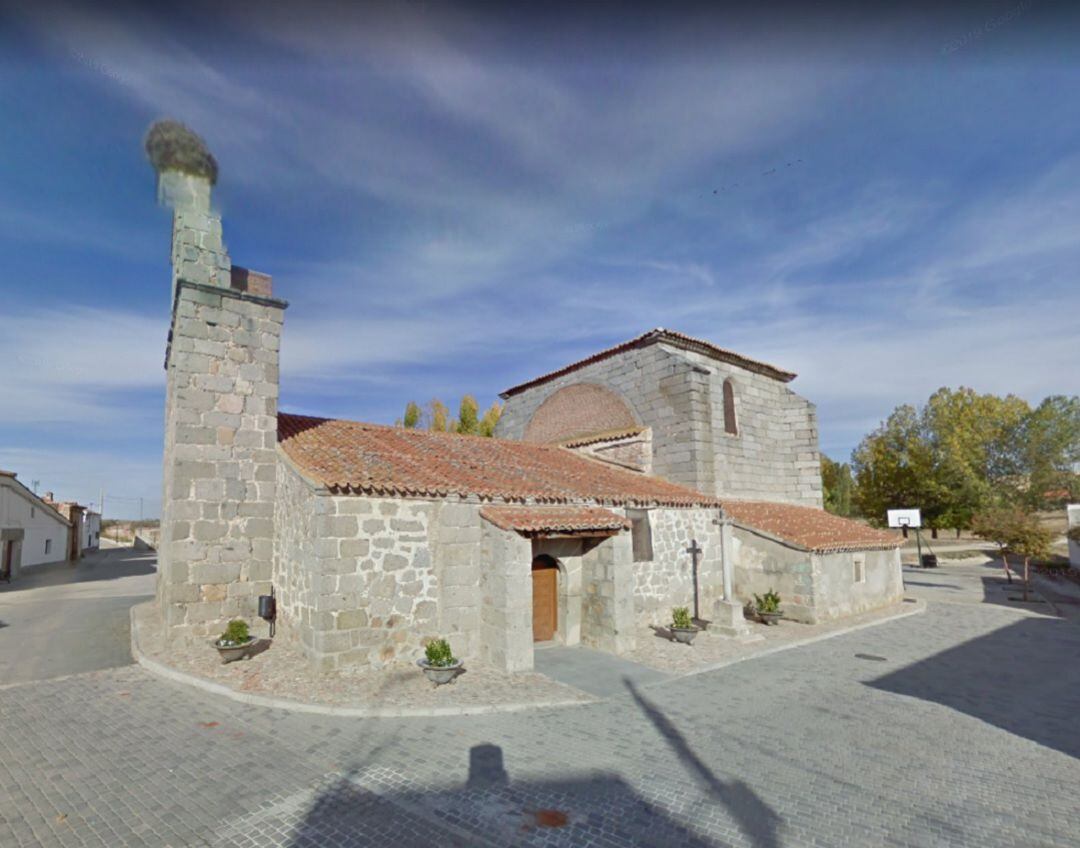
(838, 486)
(413, 414)
(975, 448)
(436, 416)
(996, 524)
(963, 452)
(490, 419)
(894, 467)
(1050, 440)
(1015, 530)
(468, 421)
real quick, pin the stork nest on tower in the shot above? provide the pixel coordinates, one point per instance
(171, 146)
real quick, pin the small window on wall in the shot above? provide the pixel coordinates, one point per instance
(48, 546)
(731, 426)
(641, 534)
(33, 512)
(858, 562)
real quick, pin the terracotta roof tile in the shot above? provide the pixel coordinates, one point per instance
(811, 529)
(530, 520)
(353, 457)
(680, 340)
(605, 436)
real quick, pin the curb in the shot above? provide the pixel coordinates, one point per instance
(171, 674)
(918, 608)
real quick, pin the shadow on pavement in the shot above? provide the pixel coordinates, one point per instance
(490, 809)
(1012, 678)
(377, 805)
(756, 818)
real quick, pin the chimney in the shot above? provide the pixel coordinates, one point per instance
(215, 555)
(186, 172)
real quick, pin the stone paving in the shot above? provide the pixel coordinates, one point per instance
(955, 727)
(656, 649)
(282, 673)
(57, 619)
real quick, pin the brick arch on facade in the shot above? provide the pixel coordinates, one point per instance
(579, 410)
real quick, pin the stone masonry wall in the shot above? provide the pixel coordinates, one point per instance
(774, 456)
(667, 580)
(295, 558)
(198, 252)
(657, 387)
(374, 581)
(680, 396)
(632, 452)
(837, 592)
(367, 581)
(607, 595)
(455, 533)
(506, 639)
(217, 521)
(762, 564)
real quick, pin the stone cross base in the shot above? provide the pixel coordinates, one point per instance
(727, 620)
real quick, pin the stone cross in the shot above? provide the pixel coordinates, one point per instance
(695, 551)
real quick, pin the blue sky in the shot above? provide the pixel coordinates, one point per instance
(455, 201)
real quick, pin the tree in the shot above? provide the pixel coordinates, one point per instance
(1050, 439)
(1031, 540)
(490, 419)
(413, 414)
(438, 416)
(974, 443)
(998, 524)
(467, 423)
(894, 467)
(837, 485)
(951, 458)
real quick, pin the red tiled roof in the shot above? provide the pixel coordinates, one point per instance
(605, 436)
(353, 457)
(670, 337)
(535, 520)
(811, 529)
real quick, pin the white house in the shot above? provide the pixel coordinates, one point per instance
(31, 531)
(91, 530)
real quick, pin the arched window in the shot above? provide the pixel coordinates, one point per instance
(730, 424)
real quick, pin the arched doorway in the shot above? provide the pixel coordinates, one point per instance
(545, 592)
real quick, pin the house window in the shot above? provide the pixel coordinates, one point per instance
(731, 426)
(858, 562)
(33, 512)
(640, 534)
(48, 545)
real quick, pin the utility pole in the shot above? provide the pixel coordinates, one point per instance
(34, 485)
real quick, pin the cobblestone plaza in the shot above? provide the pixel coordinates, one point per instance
(953, 727)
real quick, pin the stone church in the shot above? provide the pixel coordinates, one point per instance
(664, 471)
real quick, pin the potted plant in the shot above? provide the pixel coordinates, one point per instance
(439, 664)
(682, 626)
(235, 641)
(767, 607)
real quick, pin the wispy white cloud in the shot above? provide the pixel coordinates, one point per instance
(499, 202)
(70, 364)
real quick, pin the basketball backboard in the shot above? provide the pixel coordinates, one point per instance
(904, 518)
